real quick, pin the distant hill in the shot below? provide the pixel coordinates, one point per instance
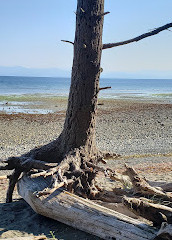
(55, 72)
(147, 74)
(36, 72)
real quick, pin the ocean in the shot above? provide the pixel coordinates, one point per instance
(17, 91)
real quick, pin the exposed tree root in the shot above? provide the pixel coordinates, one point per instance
(109, 155)
(25, 164)
(156, 213)
(12, 182)
(141, 186)
(75, 172)
(78, 174)
(48, 191)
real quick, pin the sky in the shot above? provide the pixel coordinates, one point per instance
(31, 32)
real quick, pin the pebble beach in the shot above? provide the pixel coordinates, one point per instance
(139, 131)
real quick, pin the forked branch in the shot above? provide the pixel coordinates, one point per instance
(136, 39)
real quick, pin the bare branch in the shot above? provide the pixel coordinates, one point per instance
(103, 88)
(103, 14)
(136, 39)
(67, 41)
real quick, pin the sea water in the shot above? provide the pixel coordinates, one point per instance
(16, 93)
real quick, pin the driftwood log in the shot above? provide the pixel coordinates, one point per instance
(157, 213)
(157, 207)
(27, 238)
(82, 213)
(141, 186)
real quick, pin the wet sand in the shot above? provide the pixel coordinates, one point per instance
(140, 131)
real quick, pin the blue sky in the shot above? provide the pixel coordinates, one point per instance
(31, 32)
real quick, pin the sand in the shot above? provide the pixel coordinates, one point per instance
(140, 131)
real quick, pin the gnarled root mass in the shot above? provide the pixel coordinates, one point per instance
(75, 172)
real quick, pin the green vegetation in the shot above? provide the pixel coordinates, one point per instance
(31, 98)
(166, 95)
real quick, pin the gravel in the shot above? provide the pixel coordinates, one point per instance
(129, 128)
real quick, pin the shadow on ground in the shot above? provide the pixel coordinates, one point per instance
(18, 219)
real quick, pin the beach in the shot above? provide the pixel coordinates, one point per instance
(140, 131)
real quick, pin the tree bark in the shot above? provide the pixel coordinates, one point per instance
(143, 207)
(79, 127)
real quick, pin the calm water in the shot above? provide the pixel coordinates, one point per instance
(60, 87)
(18, 89)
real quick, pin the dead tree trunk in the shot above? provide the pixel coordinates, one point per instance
(79, 127)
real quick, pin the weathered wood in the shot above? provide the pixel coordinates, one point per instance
(3, 177)
(140, 185)
(156, 213)
(165, 232)
(124, 179)
(27, 238)
(82, 213)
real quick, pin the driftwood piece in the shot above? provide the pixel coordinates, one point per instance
(156, 213)
(3, 177)
(82, 213)
(165, 232)
(110, 197)
(141, 186)
(124, 179)
(27, 238)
